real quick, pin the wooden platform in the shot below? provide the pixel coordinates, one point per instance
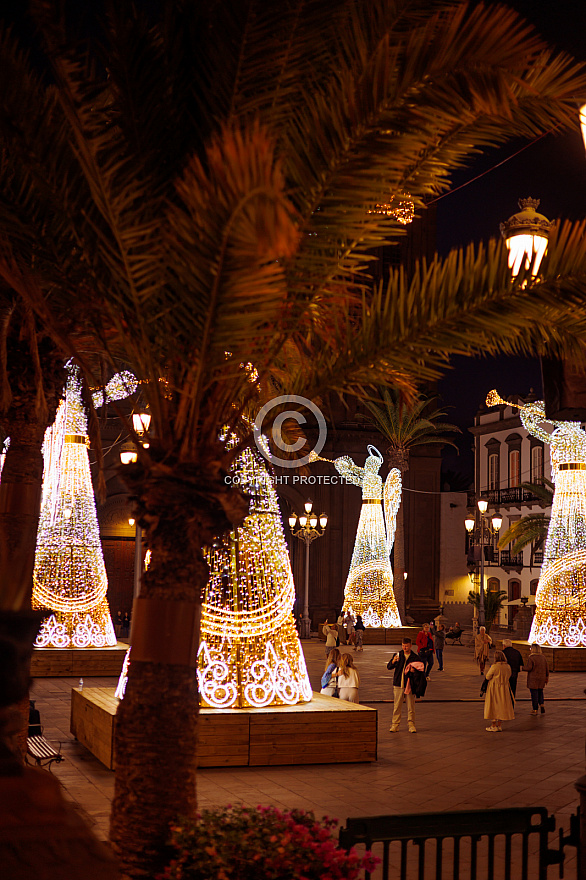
(558, 659)
(49, 662)
(325, 731)
(380, 636)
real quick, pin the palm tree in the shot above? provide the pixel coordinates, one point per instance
(202, 184)
(530, 529)
(493, 602)
(405, 424)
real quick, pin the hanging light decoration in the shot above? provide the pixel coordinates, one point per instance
(402, 209)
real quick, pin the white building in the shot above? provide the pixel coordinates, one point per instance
(505, 456)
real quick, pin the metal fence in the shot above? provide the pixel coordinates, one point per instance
(479, 844)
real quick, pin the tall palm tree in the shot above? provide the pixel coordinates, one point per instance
(530, 529)
(405, 424)
(202, 181)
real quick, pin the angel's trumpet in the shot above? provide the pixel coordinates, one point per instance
(493, 398)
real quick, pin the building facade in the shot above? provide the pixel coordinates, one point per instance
(505, 456)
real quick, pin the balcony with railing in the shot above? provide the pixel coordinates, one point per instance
(513, 497)
(511, 560)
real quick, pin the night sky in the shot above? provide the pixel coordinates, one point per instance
(553, 170)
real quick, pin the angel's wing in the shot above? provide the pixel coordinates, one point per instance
(391, 501)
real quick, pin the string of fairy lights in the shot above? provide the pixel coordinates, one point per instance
(560, 600)
(369, 586)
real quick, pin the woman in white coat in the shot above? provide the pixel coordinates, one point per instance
(499, 704)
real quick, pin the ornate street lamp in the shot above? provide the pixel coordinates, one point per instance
(526, 235)
(491, 529)
(307, 532)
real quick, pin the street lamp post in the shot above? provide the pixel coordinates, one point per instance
(491, 528)
(128, 455)
(308, 531)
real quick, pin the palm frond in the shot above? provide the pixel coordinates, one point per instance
(530, 529)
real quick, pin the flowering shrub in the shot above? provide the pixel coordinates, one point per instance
(262, 843)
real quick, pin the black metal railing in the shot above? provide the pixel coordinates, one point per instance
(496, 497)
(471, 844)
(515, 560)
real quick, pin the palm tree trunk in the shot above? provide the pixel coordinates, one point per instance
(156, 724)
(20, 503)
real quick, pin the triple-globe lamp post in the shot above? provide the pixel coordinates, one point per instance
(481, 529)
(306, 528)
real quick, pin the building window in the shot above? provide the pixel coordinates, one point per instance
(514, 468)
(536, 464)
(533, 587)
(493, 471)
(493, 585)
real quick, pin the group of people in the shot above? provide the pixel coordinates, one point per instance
(431, 640)
(411, 672)
(351, 629)
(501, 679)
(340, 678)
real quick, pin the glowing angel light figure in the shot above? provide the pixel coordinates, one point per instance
(369, 587)
(69, 576)
(249, 653)
(560, 601)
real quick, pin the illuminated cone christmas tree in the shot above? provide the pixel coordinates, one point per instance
(250, 654)
(560, 601)
(369, 587)
(70, 576)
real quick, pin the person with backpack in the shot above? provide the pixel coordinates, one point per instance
(408, 683)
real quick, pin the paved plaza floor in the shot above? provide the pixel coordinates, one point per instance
(451, 763)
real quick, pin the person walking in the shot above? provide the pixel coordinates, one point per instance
(439, 640)
(350, 631)
(341, 629)
(425, 648)
(499, 704)
(401, 664)
(348, 679)
(537, 677)
(515, 661)
(482, 643)
(359, 631)
(330, 631)
(329, 682)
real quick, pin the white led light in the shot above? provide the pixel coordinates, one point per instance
(69, 575)
(560, 601)
(369, 587)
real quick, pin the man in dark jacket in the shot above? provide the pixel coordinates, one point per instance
(401, 664)
(515, 661)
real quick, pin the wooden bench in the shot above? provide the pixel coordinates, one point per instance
(456, 637)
